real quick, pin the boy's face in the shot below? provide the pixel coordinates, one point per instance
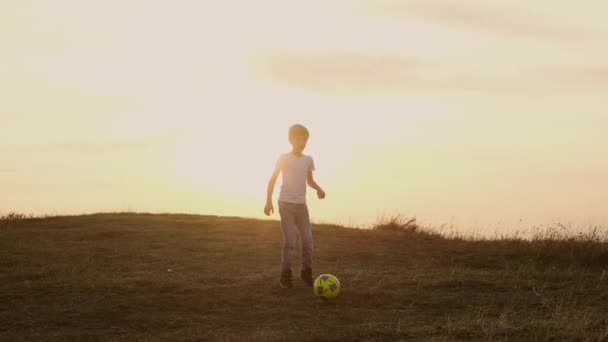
(299, 142)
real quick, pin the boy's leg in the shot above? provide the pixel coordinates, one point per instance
(288, 225)
(303, 223)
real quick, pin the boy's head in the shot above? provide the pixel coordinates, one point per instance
(298, 137)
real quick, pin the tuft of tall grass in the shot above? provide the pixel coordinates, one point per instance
(17, 217)
(558, 244)
(397, 223)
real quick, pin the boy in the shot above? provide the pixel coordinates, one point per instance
(297, 172)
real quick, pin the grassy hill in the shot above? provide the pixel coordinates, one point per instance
(126, 277)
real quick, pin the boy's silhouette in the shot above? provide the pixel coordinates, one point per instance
(297, 171)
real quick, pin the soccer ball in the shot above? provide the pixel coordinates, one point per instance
(326, 286)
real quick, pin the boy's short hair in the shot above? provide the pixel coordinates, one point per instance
(297, 130)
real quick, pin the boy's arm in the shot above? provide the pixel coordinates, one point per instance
(269, 209)
(311, 182)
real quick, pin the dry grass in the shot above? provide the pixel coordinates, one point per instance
(126, 277)
(398, 223)
(15, 216)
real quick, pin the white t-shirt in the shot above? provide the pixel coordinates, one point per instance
(295, 171)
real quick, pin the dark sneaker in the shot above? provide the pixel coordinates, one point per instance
(306, 275)
(285, 280)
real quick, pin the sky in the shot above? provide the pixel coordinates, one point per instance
(475, 114)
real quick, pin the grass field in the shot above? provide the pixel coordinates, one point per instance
(123, 277)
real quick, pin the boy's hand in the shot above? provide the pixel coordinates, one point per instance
(321, 194)
(268, 209)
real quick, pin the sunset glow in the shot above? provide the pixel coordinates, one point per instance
(470, 113)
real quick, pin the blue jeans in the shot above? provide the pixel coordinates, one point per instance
(292, 216)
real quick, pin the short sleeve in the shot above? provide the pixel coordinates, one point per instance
(312, 164)
(280, 162)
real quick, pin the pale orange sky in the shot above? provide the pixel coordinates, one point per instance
(470, 113)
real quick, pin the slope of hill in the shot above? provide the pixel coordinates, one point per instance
(205, 278)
